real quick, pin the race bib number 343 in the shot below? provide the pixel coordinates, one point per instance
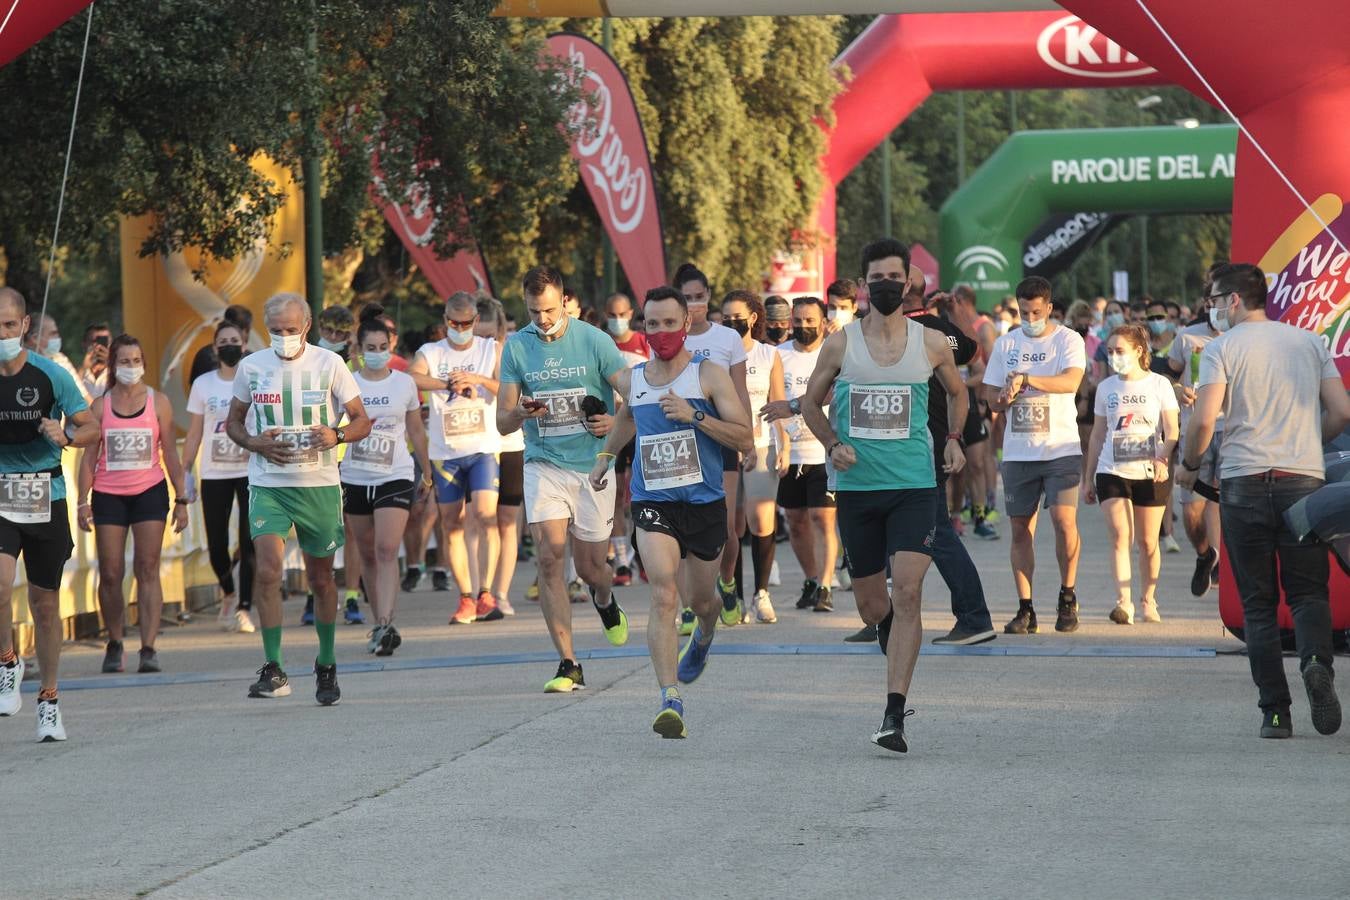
(879, 412)
(670, 460)
(1030, 416)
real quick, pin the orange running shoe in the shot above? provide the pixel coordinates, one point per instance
(487, 607)
(467, 613)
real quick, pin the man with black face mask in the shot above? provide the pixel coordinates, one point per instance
(777, 320)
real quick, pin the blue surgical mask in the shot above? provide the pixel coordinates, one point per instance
(1159, 327)
(617, 326)
(377, 359)
(53, 347)
(1114, 321)
(459, 338)
(1034, 329)
(10, 348)
(326, 344)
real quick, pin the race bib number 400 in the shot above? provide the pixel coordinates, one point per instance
(564, 414)
(1030, 415)
(879, 412)
(300, 439)
(1134, 447)
(375, 452)
(26, 499)
(670, 460)
(464, 421)
(129, 449)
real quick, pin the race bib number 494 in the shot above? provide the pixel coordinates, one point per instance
(670, 460)
(879, 412)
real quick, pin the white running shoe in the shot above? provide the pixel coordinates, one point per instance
(49, 727)
(11, 677)
(1170, 544)
(505, 606)
(764, 608)
(1151, 611)
(774, 579)
(225, 618)
(243, 621)
(844, 579)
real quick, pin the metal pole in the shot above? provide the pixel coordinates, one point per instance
(960, 138)
(886, 186)
(610, 273)
(1012, 111)
(1143, 255)
(312, 173)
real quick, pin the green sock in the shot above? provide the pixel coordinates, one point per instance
(327, 635)
(272, 644)
(353, 594)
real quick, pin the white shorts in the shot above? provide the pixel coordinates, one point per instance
(762, 481)
(552, 493)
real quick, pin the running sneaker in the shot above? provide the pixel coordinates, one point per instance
(272, 683)
(50, 728)
(1067, 611)
(149, 661)
(307, 617)
(376, 635)
(532, 592)
(775, 580)
(1024, 622)
(576, 590)
(11, 676)
(958, 638)
(623, 576)
(243, 621)
(1170, 544)
(1150, 614)
(967, 513)
(824, 600)
(411, 579)
(687, 620)
(694, 657)
(991, 515)
(505, 606)
(731, 604)
(353, 614)
(764, 613)
(467, 613)
(487, 609)
(614, 620)
(1123, 614)
(985, 531)
(891, 734)
(865, 635)
(669, 721)
(113, 658)
(1275, 723)
(568, 679)
(326, 690)
(389, 641)
(440, 580)
(808, 598)
(225, 618)
(1205, 565)
(843, 579)
(1322, 701)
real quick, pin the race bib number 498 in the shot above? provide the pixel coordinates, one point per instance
(879, 412)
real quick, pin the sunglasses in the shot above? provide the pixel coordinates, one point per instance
(461, 326)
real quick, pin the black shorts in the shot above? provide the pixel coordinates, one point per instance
(805, 487)
(975, 430)
(125, 510)
(731, 460)
(511, 478)
(699, 528)
(875, 525)
(1139, 491)
(624, 461)
(45, 546)
(364, 499)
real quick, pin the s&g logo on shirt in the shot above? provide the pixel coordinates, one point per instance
(1033, 357)
(375, 401)
(1112, 400)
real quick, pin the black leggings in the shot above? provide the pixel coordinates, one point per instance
(218, 496)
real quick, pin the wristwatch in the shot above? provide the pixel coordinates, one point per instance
(699, 416)
(795, 405)
(341, 435)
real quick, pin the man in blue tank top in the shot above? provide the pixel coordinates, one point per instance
(874, 375)
(683, 412)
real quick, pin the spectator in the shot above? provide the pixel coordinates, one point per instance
(94, 368)
(44, 338)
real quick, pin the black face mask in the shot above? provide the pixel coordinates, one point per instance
(776, 335)
(804, 335)
(740, 326)
(885, 295)
(230, 354)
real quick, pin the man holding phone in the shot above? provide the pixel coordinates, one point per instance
(94, 368)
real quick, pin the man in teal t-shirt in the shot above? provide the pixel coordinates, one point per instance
(553, 372)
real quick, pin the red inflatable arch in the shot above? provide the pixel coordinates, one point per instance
(25, 22)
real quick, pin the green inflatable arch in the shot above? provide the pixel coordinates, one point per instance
(1038, 173)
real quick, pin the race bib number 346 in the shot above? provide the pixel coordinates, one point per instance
(670, 460)
(879, 412)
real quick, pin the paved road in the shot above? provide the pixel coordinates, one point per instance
(1125, 765)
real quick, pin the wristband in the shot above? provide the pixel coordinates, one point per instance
(830, 452)
(606, 453)
(955, 436)
(1190, 468)
(179, 501)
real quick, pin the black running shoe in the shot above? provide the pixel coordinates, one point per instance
(1024, 622)
(411, 579)
(824, 600)
(568, 679)
(808, 598)
(891, 734)
(1067, 619)
(325, 685)
(112, 658)
(389, 641)
(1322, 700)
(1204, 566)
(440, 581)
(149, 660)
(272, 682)
(1275, 724)
(865, 635)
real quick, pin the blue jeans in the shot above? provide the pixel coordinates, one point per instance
(958, 570)
(1251, 510)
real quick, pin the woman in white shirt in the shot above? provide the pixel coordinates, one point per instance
(1133, 434)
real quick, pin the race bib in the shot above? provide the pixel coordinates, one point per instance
(1134, 447)
(129, 449)
(301, 439)
(375, 452)
(1030, 415)
(226, 454)
(464, 420)
(670, 460)
(564, 414)
(26, 499)
(879, 412)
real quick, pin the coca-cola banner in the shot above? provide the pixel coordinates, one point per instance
(611, 150)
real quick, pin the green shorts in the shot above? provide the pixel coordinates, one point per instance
(315, 512)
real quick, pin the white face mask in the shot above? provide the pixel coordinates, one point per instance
(10, 348)
(1217, 322)
(459, 338)
(130, 375)
(1034, 329)
(377, 359)
(326, 344)
(840, 317)
(618, 326)
(557, 327)
(1122, 363)
(53, 347)
(288, 346)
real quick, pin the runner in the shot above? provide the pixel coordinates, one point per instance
(557, 375)
(777, 320)
(205, 359)
(35, 397)
(1133, 436)
(377, 474)
(878, 371)
(723, 346)
(841, 298)
(762, 469)
(222, 479)
(126, 468)
(461, 374)
(285, 412)
(511, 463)
(633, 345)
(682, 410)
(984, 428)
(1033, 375)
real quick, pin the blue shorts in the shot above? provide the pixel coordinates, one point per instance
(456, 477)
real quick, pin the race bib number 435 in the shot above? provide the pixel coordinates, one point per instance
(300, 439)
(670, 460)
(879, 412)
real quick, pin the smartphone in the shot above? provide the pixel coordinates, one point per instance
(103, 340)
(532, 404)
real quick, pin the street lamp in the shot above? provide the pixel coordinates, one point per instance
(1146, 102)
(1188, 123)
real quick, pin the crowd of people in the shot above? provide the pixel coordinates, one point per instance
(660, 441)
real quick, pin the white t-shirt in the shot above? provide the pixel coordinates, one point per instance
(798, 365)
(1133, 412)
(1040, 426)
(459, 425)
(294, 396)
(758, 369)
(1187, 348)
(719, 343)
(382, 455)
(220, 457)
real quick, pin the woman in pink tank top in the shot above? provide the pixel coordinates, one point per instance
(126, 470)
